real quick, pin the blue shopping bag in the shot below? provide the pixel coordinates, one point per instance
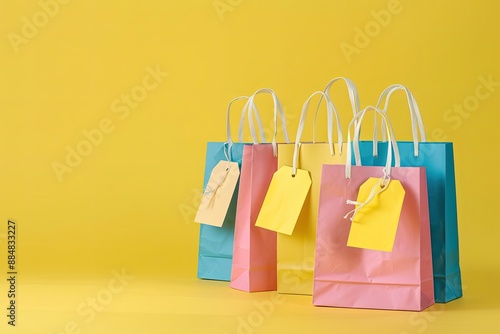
(216, 244)
(438, 159)
(215, 252)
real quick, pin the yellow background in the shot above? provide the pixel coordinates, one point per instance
(129, 205)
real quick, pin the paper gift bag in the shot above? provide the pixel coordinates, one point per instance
(362, 277)
(216, 242)
(437, 158)
(254, 252)
(296, 251)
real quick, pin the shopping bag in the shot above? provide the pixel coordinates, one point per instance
(215, 251)
(254, 251)
(296, 251)
(438, 159)
(356, 277)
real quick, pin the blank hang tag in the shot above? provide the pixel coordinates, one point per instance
(218, 194)
(284, 200)
(374, 226)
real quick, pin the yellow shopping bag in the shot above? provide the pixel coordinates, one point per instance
(296, 251)
(295, 255)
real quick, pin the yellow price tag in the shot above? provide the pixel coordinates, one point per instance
(376, 216)
(284, 200)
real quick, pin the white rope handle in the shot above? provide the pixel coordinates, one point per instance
(416, 120)
(330, 112)
(229, 141)
(384, 181)
(278, 112)
(392, 141)
(244, 113)
(357, 155)
(353, 97)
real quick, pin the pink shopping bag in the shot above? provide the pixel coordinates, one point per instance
(364, 278)
(254, 252)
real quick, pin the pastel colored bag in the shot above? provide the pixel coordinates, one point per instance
(215, 251)
(348, 276)
(437, 158)
(296, 251)
(254, 254)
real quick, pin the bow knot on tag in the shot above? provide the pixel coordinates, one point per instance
(377, 188)
(211, 188)
(218, 193)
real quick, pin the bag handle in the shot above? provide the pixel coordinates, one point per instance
(416, 119)
(278, 111)
(356, 121)
(353, 97)
(330, 112)
(229, 141)
(357, 155)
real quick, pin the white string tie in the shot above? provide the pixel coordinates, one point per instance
(378, 188)
(211, 191)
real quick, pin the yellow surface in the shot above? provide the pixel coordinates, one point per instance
(98, 69)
